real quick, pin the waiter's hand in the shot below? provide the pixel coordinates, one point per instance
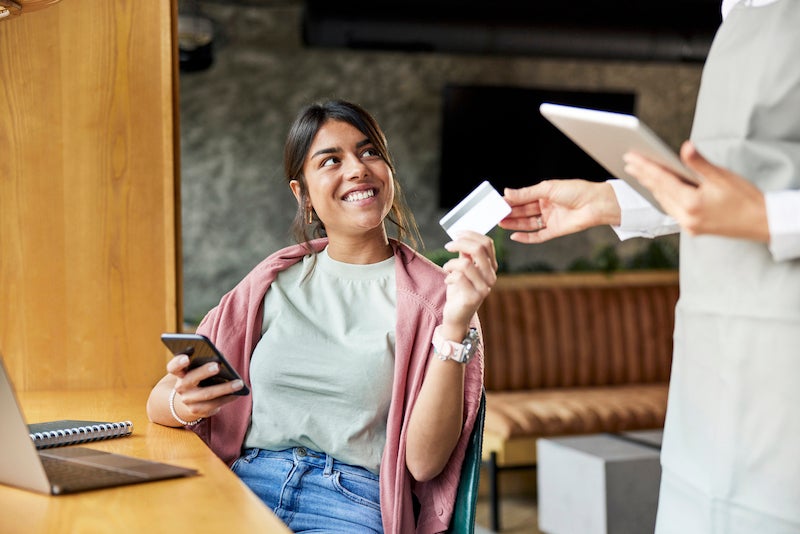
(723, 204)
(555, 208)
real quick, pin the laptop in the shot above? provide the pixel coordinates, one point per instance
(606, 136)
(68, 469)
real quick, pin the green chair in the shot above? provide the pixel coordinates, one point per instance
(463, 521)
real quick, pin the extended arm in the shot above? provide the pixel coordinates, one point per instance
(554, 208)
(435, 423)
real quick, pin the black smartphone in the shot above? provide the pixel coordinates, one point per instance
(201, 351)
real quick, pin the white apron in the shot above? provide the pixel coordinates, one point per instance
(731, 451)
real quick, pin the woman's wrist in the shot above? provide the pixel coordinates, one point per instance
(175, 413)
(453, 331)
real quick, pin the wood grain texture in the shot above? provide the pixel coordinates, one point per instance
(214, 501)
(88, 186)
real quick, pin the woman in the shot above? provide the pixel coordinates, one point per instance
(352, 418)
(729, 455)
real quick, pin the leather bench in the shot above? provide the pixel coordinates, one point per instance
(573, 353)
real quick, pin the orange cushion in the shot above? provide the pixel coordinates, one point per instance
(583, 410)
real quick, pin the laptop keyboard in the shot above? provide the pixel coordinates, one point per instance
(66, 476)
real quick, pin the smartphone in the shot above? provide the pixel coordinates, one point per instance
(201, 351)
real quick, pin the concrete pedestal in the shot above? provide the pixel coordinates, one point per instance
(599, 484)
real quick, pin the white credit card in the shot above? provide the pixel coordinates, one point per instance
(480, 211)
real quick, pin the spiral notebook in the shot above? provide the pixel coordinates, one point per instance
(74, 432)
(65, 469)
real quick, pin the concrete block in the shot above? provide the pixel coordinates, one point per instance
(599, 484)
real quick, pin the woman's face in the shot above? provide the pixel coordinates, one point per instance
(350, 186)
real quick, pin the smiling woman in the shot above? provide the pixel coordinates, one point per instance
(367, 403)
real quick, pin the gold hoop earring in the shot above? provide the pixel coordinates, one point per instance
(309, 215)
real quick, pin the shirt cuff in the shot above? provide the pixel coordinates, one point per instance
(783, 219)
(638, 218)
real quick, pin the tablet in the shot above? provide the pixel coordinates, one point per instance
(606, 136)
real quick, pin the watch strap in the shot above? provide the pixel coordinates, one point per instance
(447, 349)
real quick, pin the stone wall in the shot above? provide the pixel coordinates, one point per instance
(236, 208)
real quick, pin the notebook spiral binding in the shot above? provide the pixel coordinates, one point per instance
(81, 434)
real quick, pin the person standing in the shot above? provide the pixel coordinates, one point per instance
(729, 457)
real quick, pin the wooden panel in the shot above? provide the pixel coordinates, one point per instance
(88, 187)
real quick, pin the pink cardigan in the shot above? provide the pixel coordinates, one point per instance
(235, 327)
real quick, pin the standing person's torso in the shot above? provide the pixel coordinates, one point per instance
(748, 120)
(729, 460)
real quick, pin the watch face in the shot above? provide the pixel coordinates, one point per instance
(446, 349)
(459, 352)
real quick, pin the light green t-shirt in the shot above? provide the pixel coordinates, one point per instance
(323, 370)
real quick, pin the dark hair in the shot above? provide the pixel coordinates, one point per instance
(298, 142)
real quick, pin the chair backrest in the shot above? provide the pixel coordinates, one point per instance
(463, 521)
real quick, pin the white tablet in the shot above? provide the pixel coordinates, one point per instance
(606, 136)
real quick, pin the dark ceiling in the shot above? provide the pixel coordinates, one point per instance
(675, 30)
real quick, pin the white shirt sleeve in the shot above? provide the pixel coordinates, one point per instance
(639, 218)
(783, 219)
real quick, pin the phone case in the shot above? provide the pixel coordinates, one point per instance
(201, 351)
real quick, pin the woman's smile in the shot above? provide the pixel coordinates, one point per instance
(355, 196)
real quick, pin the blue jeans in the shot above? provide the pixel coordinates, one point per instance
(312, 492)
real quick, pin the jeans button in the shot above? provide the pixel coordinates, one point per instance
(301, 451)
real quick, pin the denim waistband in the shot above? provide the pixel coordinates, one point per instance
(318, 459)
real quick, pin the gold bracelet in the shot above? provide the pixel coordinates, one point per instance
(175, 414)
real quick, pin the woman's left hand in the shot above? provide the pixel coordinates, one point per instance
(723, 204)
(436, 420)
(470, 276)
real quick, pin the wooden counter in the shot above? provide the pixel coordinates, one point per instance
(214, 501)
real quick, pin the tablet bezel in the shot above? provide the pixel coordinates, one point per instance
(607, 136)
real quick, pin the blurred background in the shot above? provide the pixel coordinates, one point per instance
(456, 88)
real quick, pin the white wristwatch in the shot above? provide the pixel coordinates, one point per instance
(450, 350)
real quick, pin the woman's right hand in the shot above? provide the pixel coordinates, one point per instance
(200, 401)
(554, 208)
(191, 401)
